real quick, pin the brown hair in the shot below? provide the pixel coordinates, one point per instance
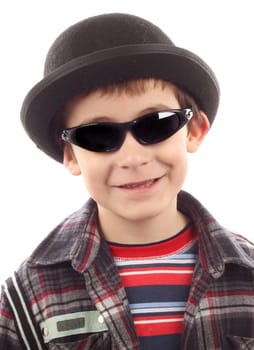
(133, 87)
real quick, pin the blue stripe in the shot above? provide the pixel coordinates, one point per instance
(161, 342)
(156, 309)
(120, 268)
(150, 294)
(164, 262)
(183, 256)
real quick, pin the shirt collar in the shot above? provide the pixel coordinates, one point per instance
(77, 240)
(217, 245)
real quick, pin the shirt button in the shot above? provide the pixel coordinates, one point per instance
(100, 319)
(45, 332)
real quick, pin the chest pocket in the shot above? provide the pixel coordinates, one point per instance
(239, 343)
(87, 323)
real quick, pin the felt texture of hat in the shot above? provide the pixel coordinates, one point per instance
(108, 49)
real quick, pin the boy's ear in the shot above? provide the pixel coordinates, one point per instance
(70, 161)
(197, 132)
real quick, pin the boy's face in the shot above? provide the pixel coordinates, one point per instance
(135, 183)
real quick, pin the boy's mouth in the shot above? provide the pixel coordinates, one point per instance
(137, 185)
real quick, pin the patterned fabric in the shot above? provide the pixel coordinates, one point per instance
(157, 279)
(73, 271)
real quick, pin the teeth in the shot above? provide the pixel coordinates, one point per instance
(140, 185)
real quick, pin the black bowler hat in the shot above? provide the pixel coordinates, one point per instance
(107, 49)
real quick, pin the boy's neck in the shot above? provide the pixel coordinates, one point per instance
(120, 230)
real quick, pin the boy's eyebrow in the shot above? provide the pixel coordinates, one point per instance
(155, 108)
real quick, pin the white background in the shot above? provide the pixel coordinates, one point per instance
(37, 193)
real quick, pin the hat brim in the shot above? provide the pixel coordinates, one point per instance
(115, 65)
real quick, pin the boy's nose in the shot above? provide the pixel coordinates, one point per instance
(132, 153)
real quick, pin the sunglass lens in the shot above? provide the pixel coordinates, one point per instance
(98, 138)
(156, 127)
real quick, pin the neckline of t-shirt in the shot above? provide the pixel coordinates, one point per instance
(168, 246)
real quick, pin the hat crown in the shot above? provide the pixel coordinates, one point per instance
(100, 33)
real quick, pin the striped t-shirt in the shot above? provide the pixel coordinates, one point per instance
(157, 279)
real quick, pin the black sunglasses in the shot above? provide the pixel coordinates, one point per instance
(147, 130)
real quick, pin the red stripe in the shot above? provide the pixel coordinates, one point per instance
(160, 328)
(229, 293)
(6, 314)
(169, 246)
(157, 279)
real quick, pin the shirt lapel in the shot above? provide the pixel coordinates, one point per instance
(108, 295)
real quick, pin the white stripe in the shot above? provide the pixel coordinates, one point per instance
(167, 320)
(133, 273)
(27, 314)
(16, 317)
(155, 261)
(157, 309)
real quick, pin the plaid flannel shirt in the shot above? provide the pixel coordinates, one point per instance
(72, 271)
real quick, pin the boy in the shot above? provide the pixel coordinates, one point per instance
(143, 265)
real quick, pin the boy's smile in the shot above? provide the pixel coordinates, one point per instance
(139, 185)
(135, 187)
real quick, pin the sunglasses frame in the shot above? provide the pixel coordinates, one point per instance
(184, 116)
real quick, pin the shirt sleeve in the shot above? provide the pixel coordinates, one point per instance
(9, 338)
